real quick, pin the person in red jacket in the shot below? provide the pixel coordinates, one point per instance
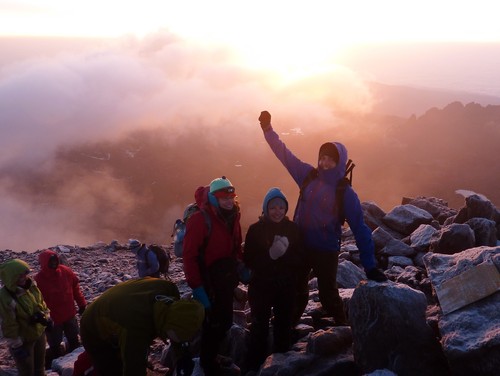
(60, 288)
(210, 259)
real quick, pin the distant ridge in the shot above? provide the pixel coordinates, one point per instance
(406, 101)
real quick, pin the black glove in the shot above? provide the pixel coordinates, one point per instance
(265, 120)
(244, 274)
(376, 275)
(19, 353)
(50, 324)
(81, 310)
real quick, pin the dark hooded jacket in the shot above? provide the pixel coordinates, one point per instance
(18, 304)
(259, 239)
(315, 214)
(60, 288)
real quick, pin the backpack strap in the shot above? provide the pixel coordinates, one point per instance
(201, 250)
(348, 170)
(311, 175)
(339, 199)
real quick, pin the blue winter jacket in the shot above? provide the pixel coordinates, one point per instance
(314, 214)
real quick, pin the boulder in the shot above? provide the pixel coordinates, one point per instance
(406, 218)
(470, 335)
(390, 331)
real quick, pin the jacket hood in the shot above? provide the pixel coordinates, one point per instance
(10, 271)
(273, 193)
(338, 172)
(43, 259)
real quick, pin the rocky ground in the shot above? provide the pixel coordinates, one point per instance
(99, 267)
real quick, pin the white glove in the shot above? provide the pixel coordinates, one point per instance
(279, 247)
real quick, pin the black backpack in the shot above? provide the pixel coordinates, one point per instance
(162, 256)
(341, 187)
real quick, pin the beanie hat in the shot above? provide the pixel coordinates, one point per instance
(222, 187)
(134, 243)
(329, 149)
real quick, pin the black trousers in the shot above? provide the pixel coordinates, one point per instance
(221, 282)
(270, 299)
(324, 265)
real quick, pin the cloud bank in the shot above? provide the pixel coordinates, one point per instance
(67, 97)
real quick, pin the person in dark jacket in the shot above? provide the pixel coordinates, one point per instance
(60, 288)
(273, 253)
(118, 327)
(23, 316)
(210, 259)
(319, 222)
(147, 262)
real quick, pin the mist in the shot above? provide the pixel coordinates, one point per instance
(110, 140)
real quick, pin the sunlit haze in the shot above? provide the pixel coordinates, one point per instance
(290, 38)
(88, 87)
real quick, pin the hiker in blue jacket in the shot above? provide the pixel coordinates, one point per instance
(318, 219)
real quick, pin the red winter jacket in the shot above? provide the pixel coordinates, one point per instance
(223, 242)
(60, 288)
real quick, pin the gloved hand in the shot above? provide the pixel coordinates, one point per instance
(265, 120)
(200, 295)
(81, 310)
(19, 352)
(279, 247)
(376, 275)
(244, 273)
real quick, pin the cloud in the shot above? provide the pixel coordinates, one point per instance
(70, 98)
(64, 98)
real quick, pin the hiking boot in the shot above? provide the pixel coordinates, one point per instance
(227, 367)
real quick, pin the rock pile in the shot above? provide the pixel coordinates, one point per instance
(398, 327)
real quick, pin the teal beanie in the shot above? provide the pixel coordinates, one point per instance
(220, 184)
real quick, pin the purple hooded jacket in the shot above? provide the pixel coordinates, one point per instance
(315, 212)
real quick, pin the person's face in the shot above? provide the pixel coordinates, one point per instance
(226, 202)
(276, 212)
(53, 262)
(326, 162)
(21, 280)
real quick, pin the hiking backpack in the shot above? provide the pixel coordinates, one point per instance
(179, 230)
(341, 187)
(162, 256)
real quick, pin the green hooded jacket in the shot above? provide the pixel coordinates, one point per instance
(18, 304)
(131, 314)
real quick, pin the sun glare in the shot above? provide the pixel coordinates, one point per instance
(293, 39)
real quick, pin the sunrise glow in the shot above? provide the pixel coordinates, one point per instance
(292, 39)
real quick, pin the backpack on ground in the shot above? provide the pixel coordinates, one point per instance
(341, 187)
(179, 231)
(163, 257)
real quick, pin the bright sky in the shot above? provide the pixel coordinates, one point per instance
(265, 33)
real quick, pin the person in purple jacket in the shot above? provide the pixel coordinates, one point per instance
(319, 223)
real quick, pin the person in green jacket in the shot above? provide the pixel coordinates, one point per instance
(24, 317)
(118, 327)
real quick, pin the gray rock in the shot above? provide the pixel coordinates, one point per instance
(470, 335)
(390, 331)
(406, 218)
(485, 231)
(452, 239)
(397, 248)
(420, 239)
